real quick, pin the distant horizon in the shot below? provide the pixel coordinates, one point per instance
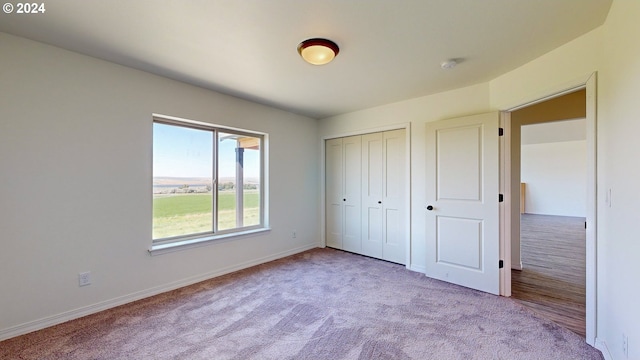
(193, 180)
(196, 177)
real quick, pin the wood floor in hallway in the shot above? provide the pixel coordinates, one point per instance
(552, 281)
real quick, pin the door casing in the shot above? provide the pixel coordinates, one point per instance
(511, 196)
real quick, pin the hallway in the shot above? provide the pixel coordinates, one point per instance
(552, 282)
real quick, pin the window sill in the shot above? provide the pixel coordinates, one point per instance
(179, 245)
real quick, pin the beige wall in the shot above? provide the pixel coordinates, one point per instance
(75, 184)
(555, 177)
(555, 71)
(618, 152)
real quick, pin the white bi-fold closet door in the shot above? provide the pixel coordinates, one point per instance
(365, 194)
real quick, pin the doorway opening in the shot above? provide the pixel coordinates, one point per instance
(550, 278)
(548, 108)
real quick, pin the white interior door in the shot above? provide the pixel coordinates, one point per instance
(461, 210)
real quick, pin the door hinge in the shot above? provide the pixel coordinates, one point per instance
(500, 264)
(500, 132)
(500, 198)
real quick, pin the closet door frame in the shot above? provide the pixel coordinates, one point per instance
(407, 177)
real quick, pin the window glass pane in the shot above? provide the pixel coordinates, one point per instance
(227, 181)
(182, 181)
(239, 181)
(251, 187)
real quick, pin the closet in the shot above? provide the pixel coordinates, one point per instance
(365, 194)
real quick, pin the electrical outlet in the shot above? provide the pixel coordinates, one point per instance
(84, 278)
(625, 345)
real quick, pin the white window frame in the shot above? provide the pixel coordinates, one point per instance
(174, 243)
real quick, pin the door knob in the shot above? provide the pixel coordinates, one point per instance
(429, 207)
(344, 199)
(379, 202)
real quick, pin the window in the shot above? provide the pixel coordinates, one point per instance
(207, 181)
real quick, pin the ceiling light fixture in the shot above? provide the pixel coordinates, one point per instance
(449, 64)
(318, 51)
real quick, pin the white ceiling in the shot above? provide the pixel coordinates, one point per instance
(557, 131)
(390, 50)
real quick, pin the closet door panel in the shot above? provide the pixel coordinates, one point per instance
(365, 195)
(352, 167)
(394, 181)
(334, 179)
(372, 186)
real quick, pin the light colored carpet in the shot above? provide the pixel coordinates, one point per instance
(321, 304)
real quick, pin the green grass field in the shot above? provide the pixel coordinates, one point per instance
(182, 214)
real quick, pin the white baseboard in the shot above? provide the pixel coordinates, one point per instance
(48, 321)
(417, 268)
(602, 346)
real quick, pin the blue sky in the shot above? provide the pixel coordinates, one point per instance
(184, 152)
